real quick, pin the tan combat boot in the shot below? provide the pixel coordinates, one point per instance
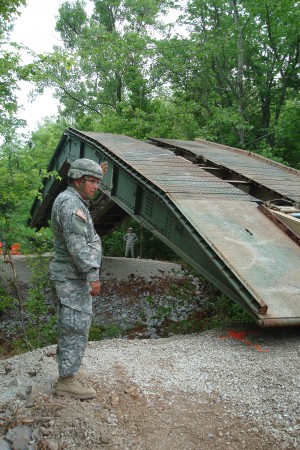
(70, 387)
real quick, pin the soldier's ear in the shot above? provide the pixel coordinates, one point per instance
(76, 182)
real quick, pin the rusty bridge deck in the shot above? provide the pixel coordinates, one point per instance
(206, 219)
(257, 175)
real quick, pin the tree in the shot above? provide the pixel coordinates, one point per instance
(105, 59)
(240, 64)
(229, 80)
(9, 76)
(8, 8)
(17, 176)
(287, 132)
(45, 140)
(11, 70)
(23, 166)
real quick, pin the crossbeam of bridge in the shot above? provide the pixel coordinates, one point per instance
(210, 223)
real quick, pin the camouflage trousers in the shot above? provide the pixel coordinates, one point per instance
(73, 323)
(129, 249)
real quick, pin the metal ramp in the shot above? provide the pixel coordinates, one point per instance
(214, 226)
(261, 177)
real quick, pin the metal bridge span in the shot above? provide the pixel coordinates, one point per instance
(201, 201)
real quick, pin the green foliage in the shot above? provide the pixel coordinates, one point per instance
(178, 294)
(187, 326)
(38, 321)
(43, 334)
(150, 247)
(147, 247)
(163, 312)
(173, 119)
(183, 291)
(103, 59)
(10, 7)
(11, 71)
(239, 65)
(22, 169)
(232, 78)
(37, 242)
(162, 118)
(149, 299)
(41, 330)
(7, 302)
(287, 132)
(12, 348)
(14, 179)
(9, 84)
(267, 152)
(108, 331)
(224, 312)
(45, 140)
(113, 245)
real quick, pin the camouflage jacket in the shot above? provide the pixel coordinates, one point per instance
(131, 238)
(77, 246)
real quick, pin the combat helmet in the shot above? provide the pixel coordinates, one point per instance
(85, 167)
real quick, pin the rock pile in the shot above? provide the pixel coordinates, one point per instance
(139, 298)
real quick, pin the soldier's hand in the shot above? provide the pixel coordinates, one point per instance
(104, 167)
(95, 285)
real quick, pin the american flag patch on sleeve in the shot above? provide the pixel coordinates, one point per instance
(81, 214)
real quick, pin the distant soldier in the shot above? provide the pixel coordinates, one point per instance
(130, 238)
(75, 271)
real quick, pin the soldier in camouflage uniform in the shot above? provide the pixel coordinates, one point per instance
(74, 271)
(130, 238)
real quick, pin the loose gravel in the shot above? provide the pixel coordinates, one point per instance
(254, 379)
